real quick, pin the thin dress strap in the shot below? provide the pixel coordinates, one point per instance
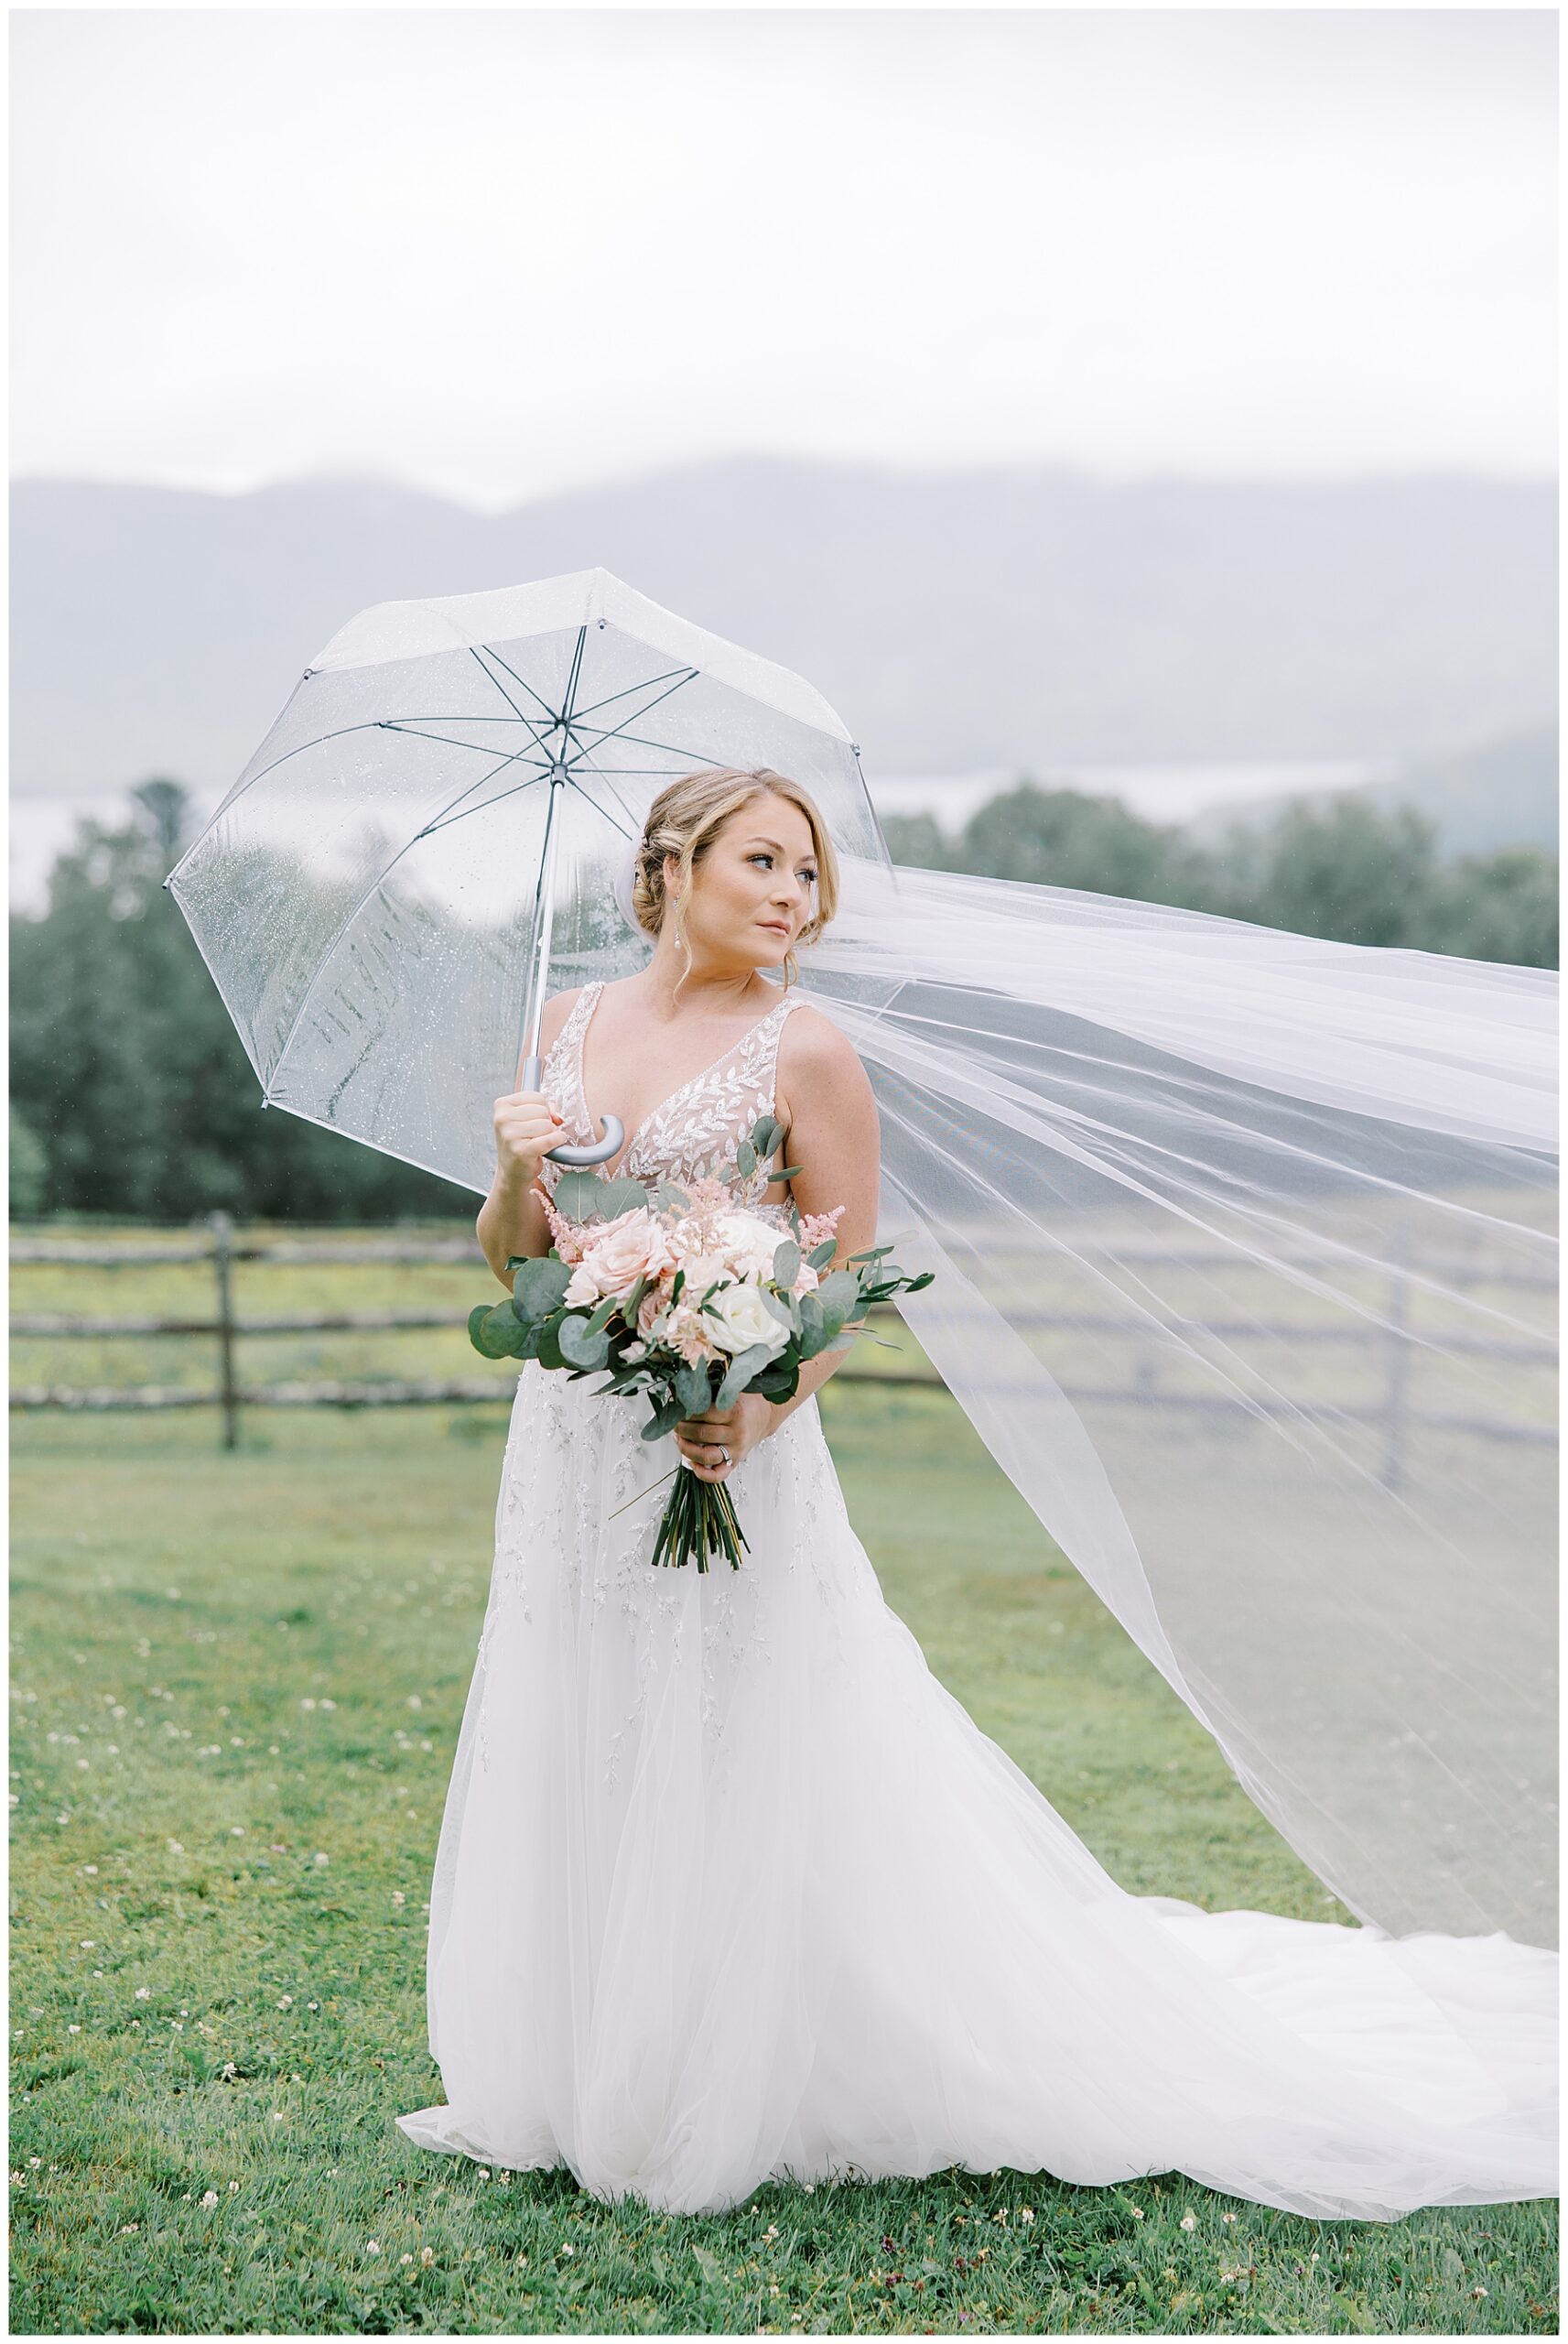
(792, 1000)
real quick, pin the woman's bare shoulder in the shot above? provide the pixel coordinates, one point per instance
(814, 1051)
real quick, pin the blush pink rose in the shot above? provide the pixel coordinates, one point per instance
(614, 1257)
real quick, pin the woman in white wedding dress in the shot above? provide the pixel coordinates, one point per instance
(727, 1885)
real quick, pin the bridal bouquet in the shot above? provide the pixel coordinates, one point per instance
(682, 1295)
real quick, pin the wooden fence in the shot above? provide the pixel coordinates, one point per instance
(1393, 1409)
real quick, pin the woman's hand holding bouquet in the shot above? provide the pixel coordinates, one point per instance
(687, 1297)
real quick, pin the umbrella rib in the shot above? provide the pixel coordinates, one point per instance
(340, 733)
(565, 717)
(349, 917)
(618, 731)
(553, 714)
(402, 724)
(613, 792)
(577, 668)
(445, 820)
(630, 773)
(451, 716)
(681, 675)
(506, 696)
(640, 741)
(598, 809)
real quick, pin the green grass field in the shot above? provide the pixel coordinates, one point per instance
(238, 1680)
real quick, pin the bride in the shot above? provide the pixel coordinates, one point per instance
(727, 1885)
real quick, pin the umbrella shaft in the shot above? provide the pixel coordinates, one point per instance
(539, 965)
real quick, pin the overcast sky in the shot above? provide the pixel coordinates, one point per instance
(501, 252)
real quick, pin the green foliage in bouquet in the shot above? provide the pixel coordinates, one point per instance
(583, 1339)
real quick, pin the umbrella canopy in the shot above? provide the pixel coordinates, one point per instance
(368, 896)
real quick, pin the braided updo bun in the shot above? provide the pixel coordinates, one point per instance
(687, 816)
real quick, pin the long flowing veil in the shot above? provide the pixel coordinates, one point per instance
(1247, 1280)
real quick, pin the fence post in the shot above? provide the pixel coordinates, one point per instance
(1392, 1475)
(222, 1230)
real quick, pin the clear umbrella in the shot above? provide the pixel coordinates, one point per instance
(435, 821)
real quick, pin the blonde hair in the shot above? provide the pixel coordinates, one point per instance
(687, 816)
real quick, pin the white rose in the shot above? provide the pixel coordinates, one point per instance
(747, 1243)
(737, 1318)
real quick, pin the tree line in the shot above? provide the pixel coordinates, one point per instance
(1344, 869)
(131, 1095)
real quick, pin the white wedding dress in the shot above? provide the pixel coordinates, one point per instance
(728, 1886)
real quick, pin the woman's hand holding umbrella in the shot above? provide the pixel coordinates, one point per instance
(526, 1128)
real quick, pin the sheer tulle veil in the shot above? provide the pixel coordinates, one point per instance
(1246, 1276)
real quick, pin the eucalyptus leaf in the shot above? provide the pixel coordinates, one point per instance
(581, 1345)
(621, 1195)
(820, 1255)
(784, 1172)
(766, 1134)
(694, 1388)
(746, 1159)
(489, 1335)
(577, 1195)
(784, 1306)
(786, 1262)
(669, 1199)
(781, 1382)
(540, 1287)
(839, 1294)
(738, 1373)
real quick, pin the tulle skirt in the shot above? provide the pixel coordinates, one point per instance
(730, 1887)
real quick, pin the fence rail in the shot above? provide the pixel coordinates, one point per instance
(1393, 1409)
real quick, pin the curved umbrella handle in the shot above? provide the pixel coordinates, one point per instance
(600, 1151)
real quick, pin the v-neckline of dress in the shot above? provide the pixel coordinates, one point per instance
(670, 1097)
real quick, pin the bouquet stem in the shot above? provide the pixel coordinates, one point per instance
(698, 1520)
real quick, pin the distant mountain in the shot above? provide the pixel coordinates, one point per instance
(1022, 619)
(1495, 794)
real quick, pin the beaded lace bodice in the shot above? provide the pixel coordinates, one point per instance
(695, 1131)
